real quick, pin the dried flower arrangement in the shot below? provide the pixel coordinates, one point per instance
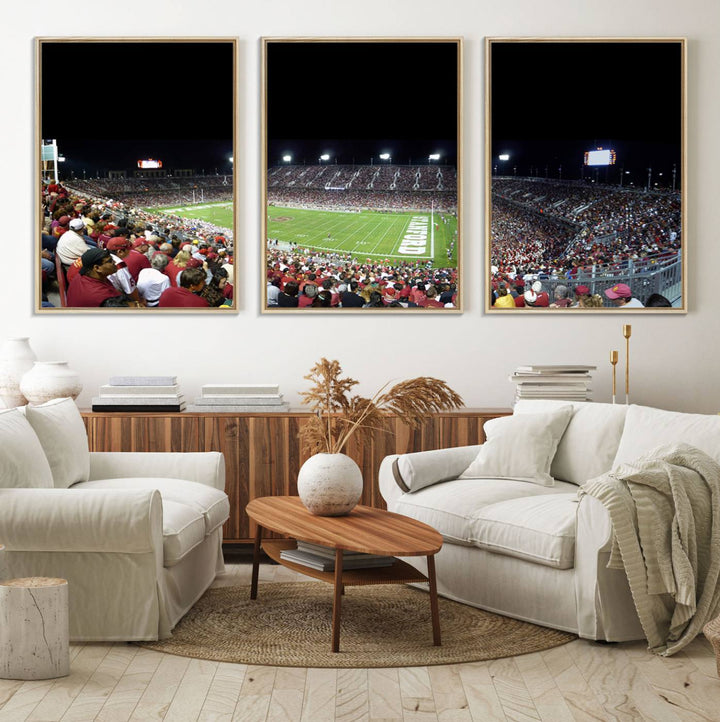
(338, 415)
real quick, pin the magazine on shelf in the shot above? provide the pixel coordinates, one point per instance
(323, 564)
(329, 552)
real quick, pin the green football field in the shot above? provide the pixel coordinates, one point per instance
(409, 236)
(221, 214)
(368, 234)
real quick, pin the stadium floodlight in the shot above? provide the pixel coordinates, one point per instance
(324, 156)
(434, 156)
(504, 156)
(384, 156)
(287, 158)
(61, 159)
(231, 159)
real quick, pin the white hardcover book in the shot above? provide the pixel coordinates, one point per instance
(242, 389)
(551, 379)
(553, 389)
(554, 369)
(109, 390)
(137, 400)
(169, 408)
(240, 400)
(142, 380)
(239, 409)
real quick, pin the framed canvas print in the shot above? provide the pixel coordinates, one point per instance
(361, 186)
(136, 187)
(585, 175)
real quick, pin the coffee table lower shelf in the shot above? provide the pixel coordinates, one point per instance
(399, 572)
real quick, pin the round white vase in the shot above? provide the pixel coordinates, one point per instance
(48, 380)
(16, 358)
(330, 484)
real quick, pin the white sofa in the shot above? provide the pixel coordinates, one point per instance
(138, 536)
(532, 551)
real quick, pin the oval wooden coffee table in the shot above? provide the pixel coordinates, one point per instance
(364, 529)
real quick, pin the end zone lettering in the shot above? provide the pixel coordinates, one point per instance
(414, 242)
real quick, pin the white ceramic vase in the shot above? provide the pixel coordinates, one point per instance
(48, 380)
(16, 358)
(330, 484)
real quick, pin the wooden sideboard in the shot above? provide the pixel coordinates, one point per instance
(262, 454)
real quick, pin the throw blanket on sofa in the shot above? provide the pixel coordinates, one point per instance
(665, 511)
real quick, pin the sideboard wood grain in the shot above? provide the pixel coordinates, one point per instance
(262, 454)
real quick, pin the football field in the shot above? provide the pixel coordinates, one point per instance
(409, 236)
(221, 214)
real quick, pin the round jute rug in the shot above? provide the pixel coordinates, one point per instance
(289, 625)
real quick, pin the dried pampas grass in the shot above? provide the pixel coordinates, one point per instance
(339, 415)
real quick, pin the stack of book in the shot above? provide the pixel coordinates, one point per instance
(240, 398)
(564, 382)
(140, 393)
(322, 558)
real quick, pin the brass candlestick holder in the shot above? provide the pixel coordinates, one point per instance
(613, 361)
(627, 330)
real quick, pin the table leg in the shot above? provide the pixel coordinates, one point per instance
(434, 611)
(256, 563)
(337, 600)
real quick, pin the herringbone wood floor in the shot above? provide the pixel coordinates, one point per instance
(579, 681)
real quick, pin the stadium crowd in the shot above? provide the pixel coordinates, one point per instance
(542, 229)
(110, 254)
(301, 278)
(376, 187)
(384, 177)
(161, 191)
(308, 278)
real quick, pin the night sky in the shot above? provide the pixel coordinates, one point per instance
(112, 104)
(551, 102)
(355, 100)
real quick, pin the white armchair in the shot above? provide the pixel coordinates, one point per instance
(137, 536)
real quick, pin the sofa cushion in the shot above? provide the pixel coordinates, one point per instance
(455, 509)
(591, 439)
(540, 529)
(22, 460)
(647, 428)
(212, 504)
(520, 447)
(60, 428)
(183, 530)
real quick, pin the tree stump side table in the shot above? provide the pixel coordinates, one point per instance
(34, 628)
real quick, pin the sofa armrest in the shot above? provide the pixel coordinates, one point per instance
(604, 602)
(203, 467)
(403, 473)
(80, 520)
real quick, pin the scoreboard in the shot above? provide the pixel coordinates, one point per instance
(600, 156)
(149, 163)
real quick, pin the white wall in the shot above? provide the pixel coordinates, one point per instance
(674, 359)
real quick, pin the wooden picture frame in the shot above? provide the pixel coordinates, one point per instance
(361, 143)
(151, 150)
(585, 175)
